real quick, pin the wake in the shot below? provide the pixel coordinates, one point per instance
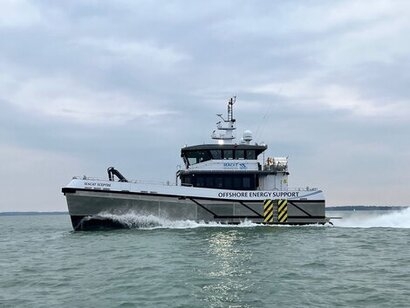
(374, 219)
(354, 219)
(150, 222)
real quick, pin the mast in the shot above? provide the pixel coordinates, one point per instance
(230, 109)
(225, 136)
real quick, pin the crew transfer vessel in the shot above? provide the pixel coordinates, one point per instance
(225, 181)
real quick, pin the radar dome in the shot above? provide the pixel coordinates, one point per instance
(247, 136)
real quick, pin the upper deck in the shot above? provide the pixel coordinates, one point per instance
(200, 153)
(231, 165)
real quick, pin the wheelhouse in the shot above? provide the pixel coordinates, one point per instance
(200, 153)
(229, 166)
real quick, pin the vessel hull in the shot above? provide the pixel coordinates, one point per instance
(93, 209)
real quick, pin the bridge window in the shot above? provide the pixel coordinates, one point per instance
(250, 154)
(195, 157)
(216, 154)
(240, 154)
(228, 154)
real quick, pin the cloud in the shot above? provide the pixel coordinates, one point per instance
(310, 93)
(135, 53)
(19, 14)
(312, 79)
(68, 99)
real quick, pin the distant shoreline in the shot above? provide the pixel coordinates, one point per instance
(328, 208)
(365, 208)
(32, 213)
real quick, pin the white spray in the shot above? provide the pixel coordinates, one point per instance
(374, 219)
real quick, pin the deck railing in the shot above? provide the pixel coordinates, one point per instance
(170, 183)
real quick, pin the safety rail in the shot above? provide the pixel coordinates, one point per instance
(150, 182)
(307, 188)
(170, 183)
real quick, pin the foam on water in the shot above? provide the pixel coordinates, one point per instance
(148, 222)
(365, 219)
(356, 219)
(134, 220)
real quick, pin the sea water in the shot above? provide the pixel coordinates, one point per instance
(361, 261)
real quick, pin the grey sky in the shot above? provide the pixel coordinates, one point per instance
(85, 85)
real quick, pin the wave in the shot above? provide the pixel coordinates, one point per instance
(134, 220)
(148, 222)
(375, 219)
(351, 219)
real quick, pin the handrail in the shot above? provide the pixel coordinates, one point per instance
(303, 188)
(156, 182)
(169, 183)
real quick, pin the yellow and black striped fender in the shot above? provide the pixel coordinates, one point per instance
(282, 211)
(268, 211)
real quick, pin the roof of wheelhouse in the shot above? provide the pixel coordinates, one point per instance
(259, 148)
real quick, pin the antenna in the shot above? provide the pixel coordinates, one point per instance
(230, 109)
(228, 130)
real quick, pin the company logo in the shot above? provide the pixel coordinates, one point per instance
(241, 166)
